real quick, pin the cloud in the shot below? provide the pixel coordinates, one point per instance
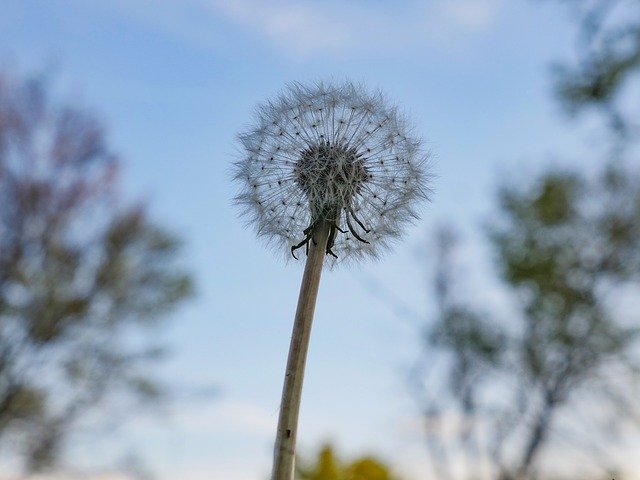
(314, 28)
(295, 27)
(309, 28)
(472, 14)
(239, 417)
(446, 425)
(71, 476)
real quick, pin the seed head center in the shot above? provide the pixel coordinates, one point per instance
(330, 175)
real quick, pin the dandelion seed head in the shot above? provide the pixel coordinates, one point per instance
(334, 153)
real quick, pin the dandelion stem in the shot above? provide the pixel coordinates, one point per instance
(285, 447)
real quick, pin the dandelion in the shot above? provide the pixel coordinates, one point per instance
(334, 171)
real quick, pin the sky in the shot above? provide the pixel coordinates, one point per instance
(175, 81)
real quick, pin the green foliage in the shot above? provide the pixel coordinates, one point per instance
(609, 60)
(566, 245)
(80, 273)
(601, 77)
(565, 239)
(328, 467)
(567, 248)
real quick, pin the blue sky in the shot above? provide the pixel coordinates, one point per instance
(175, 81)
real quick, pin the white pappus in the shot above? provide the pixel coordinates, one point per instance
(333, 153)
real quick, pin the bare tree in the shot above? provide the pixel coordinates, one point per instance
(81, 272)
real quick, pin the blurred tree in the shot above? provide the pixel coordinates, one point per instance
(608, 62)
(328, 467)
(568, 247)
(473, 348)
(78, 274)
(566, 367)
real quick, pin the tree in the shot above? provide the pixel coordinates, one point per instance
(608, 62)
(567, 248)
(329, 467)
(564, 366)
(473, 348)
(81, 273)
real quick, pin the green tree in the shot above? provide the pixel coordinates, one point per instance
(84, 276)
(328, 467)
(608, 62)
(569, 246)
(561, 370)
(565, 365)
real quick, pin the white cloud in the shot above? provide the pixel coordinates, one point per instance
(70, 476)
(446, 425)
(472, 14)
(239, 417)
(312, 28)
(307, 28)
(296, 27)
(231, 473)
